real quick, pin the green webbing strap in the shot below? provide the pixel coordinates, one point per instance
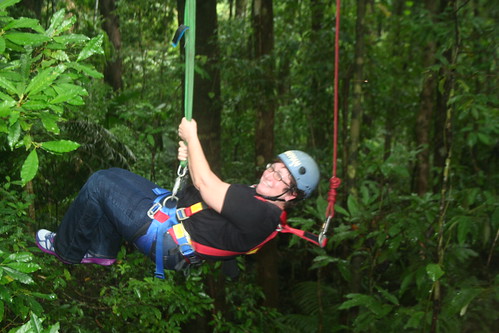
(190, 48)
(190, 51)
(189, 29)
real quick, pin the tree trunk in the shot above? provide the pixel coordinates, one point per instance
(263, 45)
(440, 146)
(444, 151)
(358, 98)
(398, 9)
(207, 105)
(114, 67)
(241, 8)
(345, 112)
(355, 128)
(425, 113)
(35, 6)
(317, 108)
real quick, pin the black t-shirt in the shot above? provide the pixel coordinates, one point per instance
(245, 221)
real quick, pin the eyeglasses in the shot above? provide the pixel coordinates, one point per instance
(277, 175)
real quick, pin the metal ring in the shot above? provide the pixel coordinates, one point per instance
(168, 198)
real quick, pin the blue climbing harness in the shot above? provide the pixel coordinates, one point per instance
(163, 213)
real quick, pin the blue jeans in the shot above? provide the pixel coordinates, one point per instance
(110, 207)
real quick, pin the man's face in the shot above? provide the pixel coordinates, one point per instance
(275, 180)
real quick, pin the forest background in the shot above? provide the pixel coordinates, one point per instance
(86, 85)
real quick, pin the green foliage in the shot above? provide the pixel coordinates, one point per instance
(152, 304)
(315, 311)
(20, 298)
(243, 311)
(35, 325)
(41, 72)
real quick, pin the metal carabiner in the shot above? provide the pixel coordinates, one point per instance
(322, 234)
(181, 172)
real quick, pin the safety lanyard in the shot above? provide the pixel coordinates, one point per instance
(189, 30)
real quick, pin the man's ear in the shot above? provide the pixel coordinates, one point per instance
(291, 195)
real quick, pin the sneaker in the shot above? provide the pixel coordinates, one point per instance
(45, 241)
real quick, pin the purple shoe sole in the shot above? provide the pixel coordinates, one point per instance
(49, 252)
(90, 260)
(44, 249)
(98, 261)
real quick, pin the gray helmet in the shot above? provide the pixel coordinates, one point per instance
(303, 168)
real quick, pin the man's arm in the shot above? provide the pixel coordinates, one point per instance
(212, 188)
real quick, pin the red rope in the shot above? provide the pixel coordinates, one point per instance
(335, 182)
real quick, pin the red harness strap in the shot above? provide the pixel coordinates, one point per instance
(283, 227)
(211, 251)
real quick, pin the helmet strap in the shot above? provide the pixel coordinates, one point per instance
(275, 198)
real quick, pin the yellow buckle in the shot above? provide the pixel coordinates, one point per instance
(196, 207)
(180, 232)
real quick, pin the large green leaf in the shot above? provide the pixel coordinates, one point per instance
(30, 167)
(20, 257)
(7, 85)
(24, 267)
(55, 22)
(2, 45)
(14, 134)
(353, 206)
(18, 276)
(94, 46)
(24, 22)
(65, 25)
(465, 225)
(26, 38)
(56, 108)
(5, 97)
(388, 296)
(434, 271)
(14, 117)
(49, 122)
(64, 96)
(5, 108)
(69, 39)
(33, 104)
(7, 3)
(357, 300)
(367, 301)
(87, 69)
(44, 79)
(59, 55)
(61, 146)
(36, 323)
(67, 92)
(415, 320)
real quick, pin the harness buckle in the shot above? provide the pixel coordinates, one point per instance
(181, 215)
(154, 209)
(186, 249)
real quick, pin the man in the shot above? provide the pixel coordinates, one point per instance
(228, 219)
